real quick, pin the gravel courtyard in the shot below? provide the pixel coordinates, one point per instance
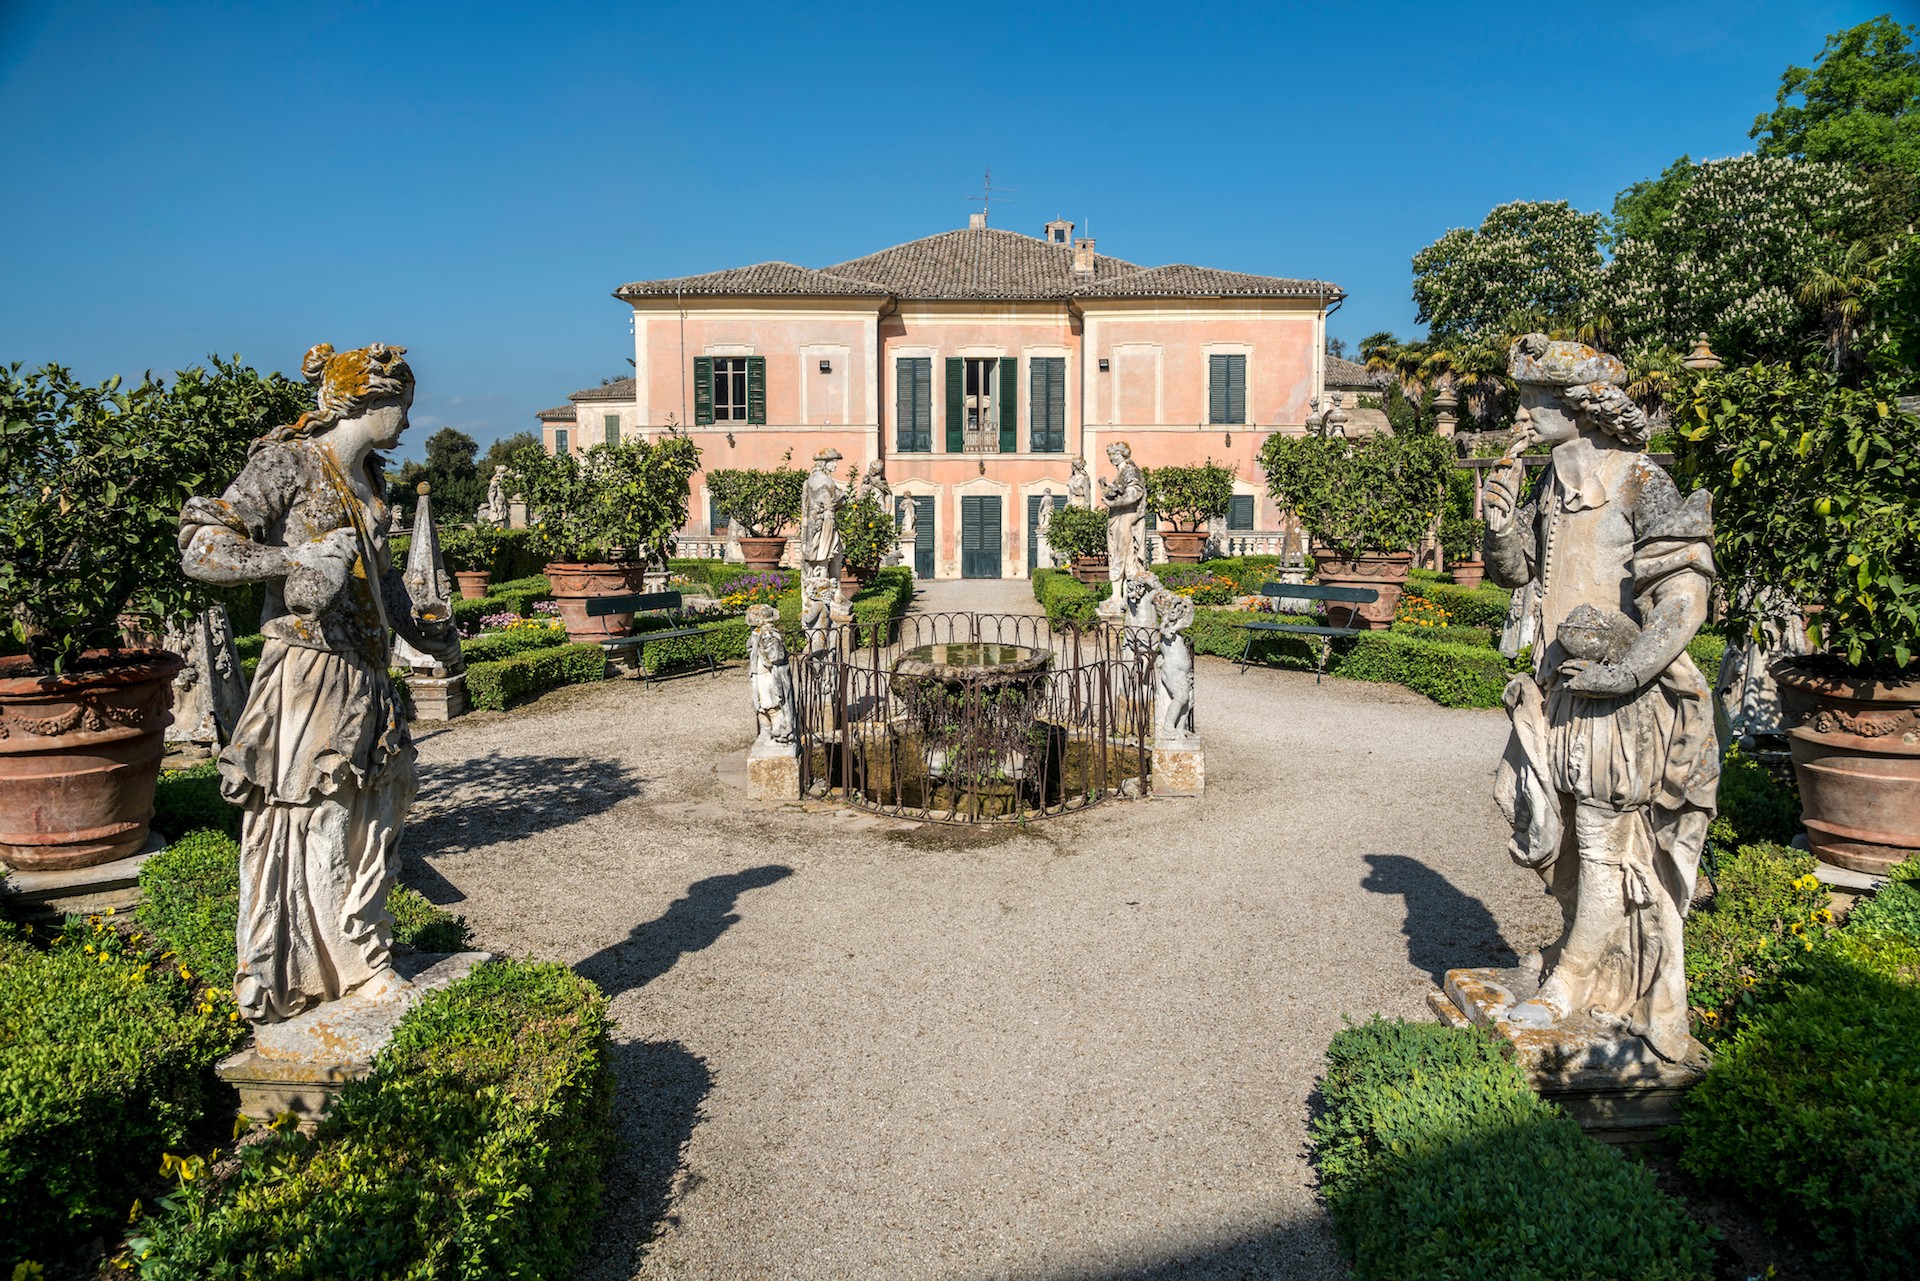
(854, 1048)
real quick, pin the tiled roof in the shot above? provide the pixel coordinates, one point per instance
(765, 278)
(558, 414)
(618, 389)
(1180, 280)
(979, 262)
(1345, 373)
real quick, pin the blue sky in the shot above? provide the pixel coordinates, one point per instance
(473, 180)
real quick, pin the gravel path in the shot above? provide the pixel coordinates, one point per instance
(850, 1048)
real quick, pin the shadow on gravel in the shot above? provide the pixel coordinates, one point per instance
(658, 1089)
(1303, 1251)
(492, 799)
(691, 922)
(1444, 928)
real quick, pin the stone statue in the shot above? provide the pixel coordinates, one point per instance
(1173, 670)
(909, 530)
(210, 690)
(1042, 547)
(770, 677)
(1748, 696)
(1138, 596)
(497, 496)
(1079, 485)
(321, 761)
(1126, 496)
(428, 585)
(874, 485)
(1610, 775)
(820, 500)
(821, 609)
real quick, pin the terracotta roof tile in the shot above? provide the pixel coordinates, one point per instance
(1181, 280)
(979, 262)
(765, 278)
(618, 389)
(1346, 373)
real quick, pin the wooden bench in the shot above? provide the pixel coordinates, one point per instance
(1308, 592)
(679, 625)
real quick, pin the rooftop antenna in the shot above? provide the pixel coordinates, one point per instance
(987, 192)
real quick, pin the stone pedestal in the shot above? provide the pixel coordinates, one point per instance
(1179, 769)
(299, 1065)
(773, 773)
(81, 891)
(437, 698)
(516, 513)
(1610, 1082)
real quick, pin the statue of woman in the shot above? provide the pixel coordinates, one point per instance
(820, 501)
(1610, 776)
(1126, 496)
(1079, 484)
(321, 762)
(770, 677)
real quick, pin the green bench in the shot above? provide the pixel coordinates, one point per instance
(679, 624)
(1308, 592)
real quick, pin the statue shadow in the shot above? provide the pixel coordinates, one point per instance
(1444, 929)
(692, 922)
(659, 1087)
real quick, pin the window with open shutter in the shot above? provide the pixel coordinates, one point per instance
(1226, 389)
(703, 390)
(913, 404)
(756, 391)
(1047, 415)
(956, 405)
(1007, 404)
(1240, 512)
(612, 424)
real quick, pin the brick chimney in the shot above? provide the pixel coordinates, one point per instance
(1083, 256)
(976, 220)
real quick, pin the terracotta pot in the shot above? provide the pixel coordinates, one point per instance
(79, 755)
(1469, 573)
(762, 554)
(852, 580)
(1856, 753)
(473, 583)
(576, 584)
(1091, 570)
(1184, 547)
(1385, 573)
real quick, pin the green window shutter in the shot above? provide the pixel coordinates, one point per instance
(1009, 404)
(1216, 389)
(956, 405)
(756, 391)
(1240, 513)
(1236, 389)
(1047, 415)
(612, 423)
(560, 442)
(913, 404)
(703, 390)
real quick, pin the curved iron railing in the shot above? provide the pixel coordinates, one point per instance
(996, 746)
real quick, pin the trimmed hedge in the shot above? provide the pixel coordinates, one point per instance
(1482, 606)
(1481, 637)
(716, 574)
(876, 606)
(1065, 598)
(517, 599)
(475, 1149)
(1437, 1159)
(494, 686)
(105, 1058)
(424, 927)
(491, 647)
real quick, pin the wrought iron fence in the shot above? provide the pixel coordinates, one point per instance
(1000, 717)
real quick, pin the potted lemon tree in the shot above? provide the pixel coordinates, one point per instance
(760, 504)
(1187, 498)
(1079, 534)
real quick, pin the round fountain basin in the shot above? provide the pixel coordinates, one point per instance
(970, 661)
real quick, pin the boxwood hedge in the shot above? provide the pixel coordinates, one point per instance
(494, 686)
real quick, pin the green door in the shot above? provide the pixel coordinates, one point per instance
(980, 540)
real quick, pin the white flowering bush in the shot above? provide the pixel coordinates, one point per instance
(1530, 265)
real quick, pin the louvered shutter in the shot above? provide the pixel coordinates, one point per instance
(1216, 389)
(1240, 513)
(756, 391)
(923, 404)
(956, 405)
(903, 405)
(703, 391)
(1009, 402)
(1236, 389)
(1055, 438)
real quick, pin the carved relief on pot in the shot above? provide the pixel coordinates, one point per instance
(1834, 720)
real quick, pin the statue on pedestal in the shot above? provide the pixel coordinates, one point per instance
(210, 690)
(820, 499)
(1173, 670)
(1609, 778)
(1042, 546)
(1126, 497)
(1079, 484)
(321, 761)
(497, 496)
(770, 678)
(909, 537)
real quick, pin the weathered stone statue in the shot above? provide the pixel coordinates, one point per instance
(820, 499)
(821, 609)
(1126, 497)
(321, 760)
(909, 530)
(1042, 547)
(497, 496)
(1609, 778)
(1079, 484)
(1173, 670)
(770, 677)
(1748, 696)
(437, 681)
(873, 484)
(1139, 597)
(210, 690)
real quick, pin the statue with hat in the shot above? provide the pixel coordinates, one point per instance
(820, 500)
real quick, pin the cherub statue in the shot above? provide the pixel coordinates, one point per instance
(770, 679)
(1173, 669)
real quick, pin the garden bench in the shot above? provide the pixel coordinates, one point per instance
(1311, 592)
(679, 625)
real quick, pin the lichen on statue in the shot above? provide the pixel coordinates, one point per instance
(321, 761)
(1610, 775)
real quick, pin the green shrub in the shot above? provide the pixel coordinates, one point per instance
(250, 646)
(494, 686)
(1078, 531)
(1065, 598)
(1707, 649)
(877, 607)
(1450, 675)
(1895, 908)
(105, 1061)
(475, 1149)
(188, 800)
(1217, 632)
(515, 600)
(1478, 637)
(491, 647)
(422, 926)
(1767, 910)
(1755, 805)
(716, 574)
(1813, 1110)
(191, 893)
(1437, 1159)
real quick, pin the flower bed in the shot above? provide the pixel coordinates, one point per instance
(516, 597)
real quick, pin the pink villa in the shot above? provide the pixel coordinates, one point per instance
(977, 364)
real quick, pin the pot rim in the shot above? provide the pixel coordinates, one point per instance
(1852, 685)
(134, 667)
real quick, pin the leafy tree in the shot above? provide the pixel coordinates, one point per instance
(1893, 333)
(760, 502)
(619, 502)
(1859, 102)
(1641, 208)
(1188, 497)
(1530, 265)
(501, 452)
(451, 451)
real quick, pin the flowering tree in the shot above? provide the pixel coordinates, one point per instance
(1530, 265)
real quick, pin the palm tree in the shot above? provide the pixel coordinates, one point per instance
(1839, 294)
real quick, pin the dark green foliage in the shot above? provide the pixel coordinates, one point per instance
(516, 597)
(1065, 598)
(760, 502)
(1895, 908)
(105, 1061)
(627, 499)
(192, 901)
(1643, 206)
(1755, 804)
(1188, 497)
(1859, 102)
(515, 559)
(1375, 493)
(1482, 606)
(422, 926)
(188, 800)
(494, 686)
(1460, 529)
(1437, 1160)
(500, 454)
(1813, 1110)
(475, 1149)
(1479, 637)
(1767, 912)
(491, 647)
(1707, 650)
(1078, 531)
(1450, 675)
